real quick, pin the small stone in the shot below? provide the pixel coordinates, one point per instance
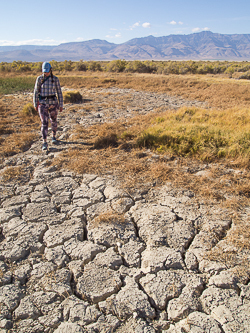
(98, 283)
(58, 282)
(196, 322)
(108, 259)
(10, 295)
(26, 309)
(155, 259)
(56, 255)
(84, 251)
(22, 273)
(41, 269)
(19, 200)
(56, 235)
(131, 252)
(8, 213)
(129, 300)
(76, 310)
(69, 328)
(191, 261)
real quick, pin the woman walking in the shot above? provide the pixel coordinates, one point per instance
(47, 101)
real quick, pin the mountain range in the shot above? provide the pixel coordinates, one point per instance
(204, 45)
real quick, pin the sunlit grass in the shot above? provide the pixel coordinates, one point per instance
(11, 85)
(17, 142)
(18, 127)
(204, 134)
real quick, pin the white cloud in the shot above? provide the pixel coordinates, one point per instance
(196, 29)
(200, 29)
(47, 41)
(113, 29)
(6, 43)
(39, 42)
(174, 22)
(135, 25)
(118, 35)
(79, 39)
(146, 25)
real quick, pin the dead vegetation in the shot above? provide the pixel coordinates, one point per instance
(72, 97)
(216, 90)
(12, 173)
(108, 218)
(18, 125)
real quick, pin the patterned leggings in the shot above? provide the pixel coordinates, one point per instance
(47, 112)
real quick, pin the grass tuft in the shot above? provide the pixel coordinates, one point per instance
(72, 97)
(109, 218)
(107, 141)
(12, 173)
(28, 110)
(18, 129)
(17, 142)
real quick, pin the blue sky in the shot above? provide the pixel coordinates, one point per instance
(52, 22)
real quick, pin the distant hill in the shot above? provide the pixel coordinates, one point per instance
(198, 46)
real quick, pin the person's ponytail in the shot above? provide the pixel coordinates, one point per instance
(52, 77)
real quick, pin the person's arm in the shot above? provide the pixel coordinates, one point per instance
(36, 92)
(59, 95)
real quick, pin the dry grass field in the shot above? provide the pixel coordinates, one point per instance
(215, 139)
(217, 90)
(17, 130)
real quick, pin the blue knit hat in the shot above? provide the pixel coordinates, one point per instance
(46, 67)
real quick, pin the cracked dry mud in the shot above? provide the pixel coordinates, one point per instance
(61, 271)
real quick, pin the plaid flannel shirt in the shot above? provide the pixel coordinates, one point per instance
(49, 88)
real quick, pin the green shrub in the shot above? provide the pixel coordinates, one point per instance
(72, 97)
(68, 65)
(171, 68)
(116, 66)
(11, 85)
(141, 67)
(94, 66)
(245, 76)
(29, 110)
(81, 66)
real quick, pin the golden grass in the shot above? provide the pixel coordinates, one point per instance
(215, 90)
(28, 111)
(12, 173)
(18, 125)
(17, 142)
(109, 218)
(205, 134)
(232, 253)
(5, 127)
(72, 97)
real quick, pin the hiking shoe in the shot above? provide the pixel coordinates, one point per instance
(54, 140)
(45, 146)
